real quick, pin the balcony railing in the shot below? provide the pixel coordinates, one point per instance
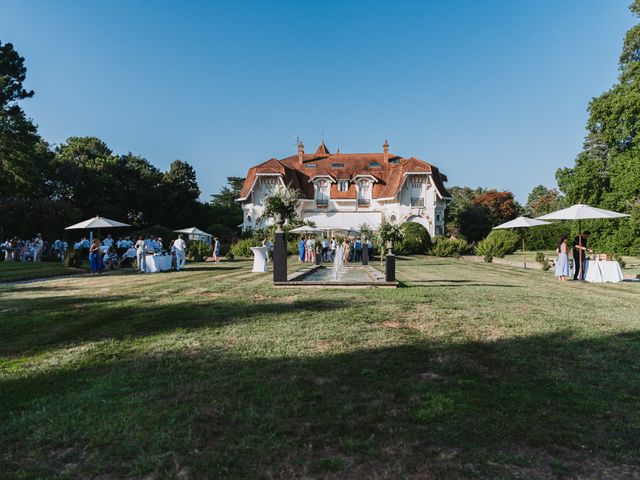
(417, 202)
(364, 202)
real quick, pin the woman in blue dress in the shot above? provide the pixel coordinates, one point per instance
(301, 249)
(562, 265)
(95, 257)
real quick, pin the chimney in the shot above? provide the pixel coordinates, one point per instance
(300, 152)
(385, 147)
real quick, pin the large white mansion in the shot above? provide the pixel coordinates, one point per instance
(346, 190)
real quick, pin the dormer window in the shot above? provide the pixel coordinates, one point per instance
(395, 161)
(310, 165)
(269, 185)
(417, 197)
(364, 193)
(374, 164)
(343, 185)
(337, 165)
(322, 193)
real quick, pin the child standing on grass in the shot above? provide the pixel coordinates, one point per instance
(562, 265)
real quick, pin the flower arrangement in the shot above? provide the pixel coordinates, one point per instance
(390, 233)
(282, 204)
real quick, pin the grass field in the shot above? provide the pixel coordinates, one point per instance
(15, 271)
(469, 370)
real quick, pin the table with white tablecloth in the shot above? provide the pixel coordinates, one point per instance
(598, 271)
(259, 259)
(157, 263)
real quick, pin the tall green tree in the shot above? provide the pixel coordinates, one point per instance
(606, 172)
(24, 156)
(22, 151)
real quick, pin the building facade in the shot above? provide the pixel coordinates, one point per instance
(346, 190)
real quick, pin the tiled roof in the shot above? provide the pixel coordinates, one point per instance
(390, 173)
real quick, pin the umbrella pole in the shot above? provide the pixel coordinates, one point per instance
(524, 257)
(580, 272)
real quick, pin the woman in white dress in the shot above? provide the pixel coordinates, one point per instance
(141, 254)
(562, 265)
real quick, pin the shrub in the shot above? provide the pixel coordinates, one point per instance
(198, 250)
(416, 239)
(242, 248)
(292, 247)
(498, 243)
(449, 247)
(543, 261)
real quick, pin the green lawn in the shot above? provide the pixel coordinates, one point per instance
(15, 271)
(469, 370)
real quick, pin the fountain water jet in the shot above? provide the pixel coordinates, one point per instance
(338, 264)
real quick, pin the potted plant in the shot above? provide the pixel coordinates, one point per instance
(389, 234)
(282, 206)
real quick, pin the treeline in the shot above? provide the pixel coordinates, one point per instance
(475, 211)
(606, 173)
(44, 189)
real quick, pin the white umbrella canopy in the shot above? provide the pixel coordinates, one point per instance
(581, 212)
(97, 222)
(193, 231)
(522, 222)
(305, 229)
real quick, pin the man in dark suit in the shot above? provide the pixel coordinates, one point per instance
(580, 243)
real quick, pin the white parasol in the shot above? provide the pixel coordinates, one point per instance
(96, 223)
(522, 222)
(581, 212)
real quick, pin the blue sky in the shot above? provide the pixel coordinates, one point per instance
(492, 92)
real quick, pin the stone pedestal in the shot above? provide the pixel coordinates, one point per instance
(280, 257)
(390, 270)
(365, 254)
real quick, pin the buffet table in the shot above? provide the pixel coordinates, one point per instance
(599, 271)
(157, 263)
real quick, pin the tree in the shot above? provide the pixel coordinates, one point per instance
(224, 211)
(24, 156)
(21, 148)
(457, 209)
(12, 76)
(606, 172)
(179, 194)
(544, 200)
(228, 194)
(500, 206)
(536, 193)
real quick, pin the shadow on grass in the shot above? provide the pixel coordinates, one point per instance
(538, 406)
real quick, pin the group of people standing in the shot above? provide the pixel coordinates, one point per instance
(310, 248)
(579, 250)
(30, 250)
